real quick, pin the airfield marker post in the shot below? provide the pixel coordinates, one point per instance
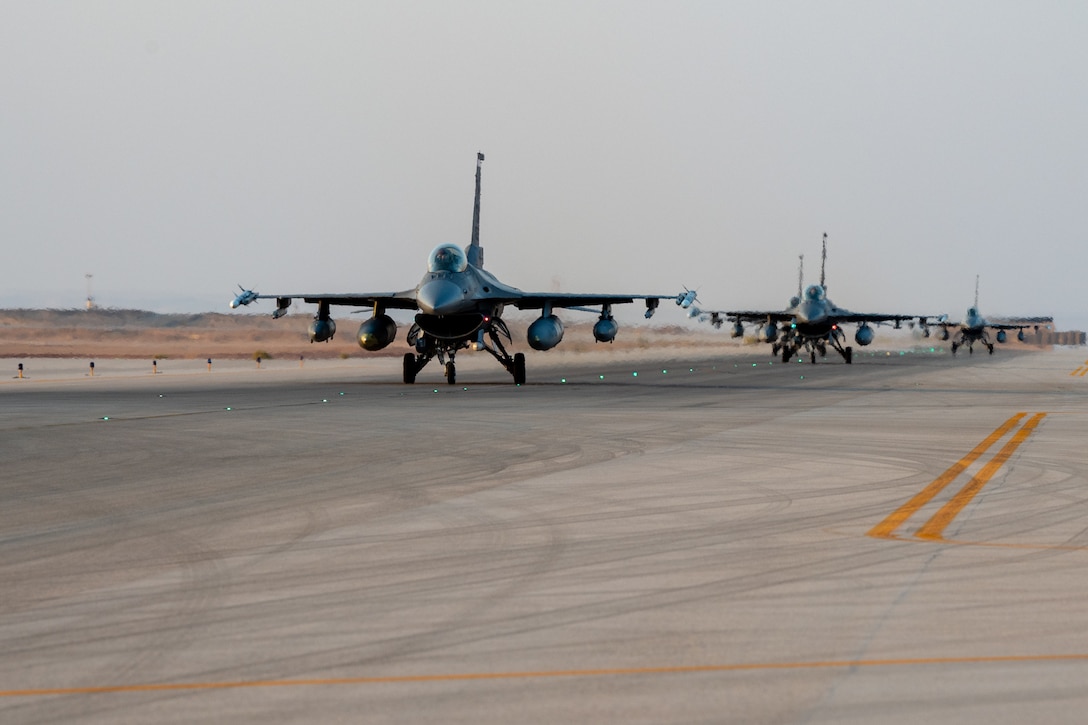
(92, 368)
(209, 365)
(154, 367)
(20, 371)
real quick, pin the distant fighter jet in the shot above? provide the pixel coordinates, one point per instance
(811, 322)
(973, 328)
(460, 305)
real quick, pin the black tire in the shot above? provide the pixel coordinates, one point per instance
(954, 348)
(410, 369)
(519, 368)
(991, 349)
(451, 373)
(785, 354)
(813, 357)
(849, 356)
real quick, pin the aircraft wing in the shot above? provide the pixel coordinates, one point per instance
(847, 316)
(756, 315)
(1022, 324)
(404, 300)
(537, 300)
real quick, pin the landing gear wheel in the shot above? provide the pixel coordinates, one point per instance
(409, 368)
(774, 349)
(813, 357)
(785, 354)
(451, 373)
(970, 349)
(519, 369)
(848, 355)
(954, 348)
(991, 347)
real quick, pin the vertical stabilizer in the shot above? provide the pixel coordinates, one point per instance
(823, 263)
(475, 252)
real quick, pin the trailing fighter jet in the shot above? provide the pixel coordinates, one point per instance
(973, 328)
(811, 322)
(459, 305)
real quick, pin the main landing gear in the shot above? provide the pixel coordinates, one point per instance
(971, 347)
(815, 349)
(429, 347)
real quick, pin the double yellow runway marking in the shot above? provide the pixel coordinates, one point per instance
(933, 530)
(1081, 371)
(1075, 657)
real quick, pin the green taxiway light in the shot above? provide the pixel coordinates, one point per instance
(227, 408)
(105, 417)
(601, 377)
(663, 372)
(634, 374)
(562, 380)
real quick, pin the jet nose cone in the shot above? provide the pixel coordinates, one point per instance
(440, 297)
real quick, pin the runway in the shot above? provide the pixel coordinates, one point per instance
(624, 539)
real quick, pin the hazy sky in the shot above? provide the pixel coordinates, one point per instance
(175, 149)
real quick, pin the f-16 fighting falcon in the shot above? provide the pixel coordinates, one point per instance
(974, 325)
(459, 305)
(811, 322)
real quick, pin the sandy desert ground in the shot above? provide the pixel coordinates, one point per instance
(135, 334)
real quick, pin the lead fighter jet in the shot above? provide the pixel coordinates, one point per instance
(459, 305)
(811, 322)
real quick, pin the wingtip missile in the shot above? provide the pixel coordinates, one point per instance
(244, 297)
(686, 298)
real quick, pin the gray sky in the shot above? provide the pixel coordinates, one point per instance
(175, 149)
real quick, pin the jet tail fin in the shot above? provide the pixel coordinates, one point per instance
(823, 264)
(475, 252)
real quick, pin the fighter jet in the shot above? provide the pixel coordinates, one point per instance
(811, 322)
(974, 325)
(459, 305)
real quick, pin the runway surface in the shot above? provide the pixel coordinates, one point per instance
(711, 540)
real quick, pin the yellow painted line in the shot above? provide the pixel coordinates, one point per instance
(934, 528)
(541, 674)
(885, 528)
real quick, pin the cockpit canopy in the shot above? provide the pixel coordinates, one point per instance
(447, 258)
(972, 312)
(815, 293)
